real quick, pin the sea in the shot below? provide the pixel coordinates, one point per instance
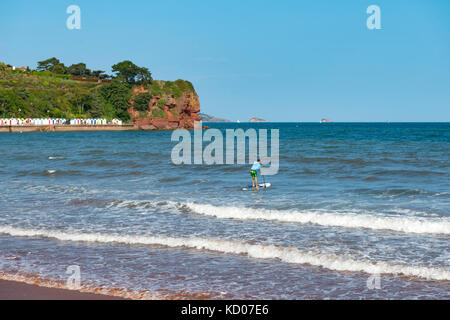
(356, 211)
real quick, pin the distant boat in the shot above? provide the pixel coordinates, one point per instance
(325, 120)
(239, 121)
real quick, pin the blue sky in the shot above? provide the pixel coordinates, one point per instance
(278, 60)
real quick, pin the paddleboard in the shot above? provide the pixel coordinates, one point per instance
(261, 186)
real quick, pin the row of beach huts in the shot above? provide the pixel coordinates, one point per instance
(57, 121)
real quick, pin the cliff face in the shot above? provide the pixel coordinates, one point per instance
(165, 107)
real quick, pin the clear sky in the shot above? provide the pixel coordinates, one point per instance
(278, 60)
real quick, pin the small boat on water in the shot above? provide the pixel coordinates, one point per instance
(325, 121)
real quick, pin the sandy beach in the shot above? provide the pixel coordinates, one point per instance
(13, 290)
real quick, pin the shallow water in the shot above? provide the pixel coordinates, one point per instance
(349, 201)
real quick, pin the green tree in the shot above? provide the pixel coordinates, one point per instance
(79, 70)
(60, 68)
(108, 111)
(96, 104)
(141, 101)
(144, 76)
(99, 74)
(127, 71)
(48, 64)
(80, 98)
(4, 101)
(118, 95)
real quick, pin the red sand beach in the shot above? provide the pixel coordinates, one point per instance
(13, 290)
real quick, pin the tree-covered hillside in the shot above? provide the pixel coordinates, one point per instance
(54, 90)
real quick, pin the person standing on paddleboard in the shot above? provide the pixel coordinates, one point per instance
(254, 173)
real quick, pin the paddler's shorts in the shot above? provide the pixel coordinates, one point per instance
(253, 173)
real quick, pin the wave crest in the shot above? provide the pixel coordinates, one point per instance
(398, 224)
(258, 251)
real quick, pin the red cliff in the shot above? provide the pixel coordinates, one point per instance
(165, 105)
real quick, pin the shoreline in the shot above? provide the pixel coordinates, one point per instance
(33, 287)
(17, 290)
(66, 128)
(84, 128)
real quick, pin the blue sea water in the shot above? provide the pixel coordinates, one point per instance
(350, 201)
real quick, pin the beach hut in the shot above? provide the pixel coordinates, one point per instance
(117, 122)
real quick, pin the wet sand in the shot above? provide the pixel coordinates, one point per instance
(12, 290)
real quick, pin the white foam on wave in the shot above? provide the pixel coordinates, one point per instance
(348, 220)
(407, 223)
(286, 254)
(142, 204)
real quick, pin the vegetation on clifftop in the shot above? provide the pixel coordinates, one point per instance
(54, 90)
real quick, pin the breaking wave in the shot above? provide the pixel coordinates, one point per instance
(286, 254)
(406, 224)
(398, 224)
